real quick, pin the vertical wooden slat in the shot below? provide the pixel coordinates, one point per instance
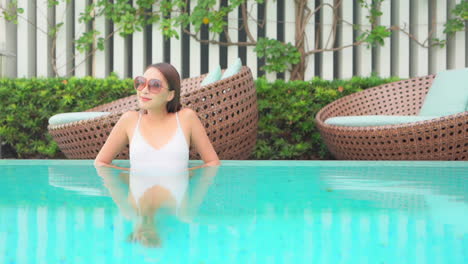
(176, 50)
(157, 42)
(289, 28)
(271, 11)
(310, 43)
(251, 54)
(345, 58)
(280, 6)
(384, 52)
(419, 55)
(391, 59)
(232, 28)
(204, 49)
(438, 54)
(64, 44)
(400, 41)
(81, 67)
(44, 14)
(456, 44)
(26, 39)
(261, 11)
(363, 53)
(461, 45)
(194, 50)
(326, 39)
(138, 51)
(185, 67)
(121, 55)
(101, 63)
(214, 49)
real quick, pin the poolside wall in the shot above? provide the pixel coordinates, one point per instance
(30, 51)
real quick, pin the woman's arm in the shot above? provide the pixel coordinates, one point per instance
(199, 139)
(117, 140)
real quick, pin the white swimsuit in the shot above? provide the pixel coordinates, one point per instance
(166, 167)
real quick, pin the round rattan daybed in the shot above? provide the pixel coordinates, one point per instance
(227, 109)
(444, 138)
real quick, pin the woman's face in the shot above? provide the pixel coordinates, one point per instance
(150, 100)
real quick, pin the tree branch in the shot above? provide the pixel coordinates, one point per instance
(221, 43)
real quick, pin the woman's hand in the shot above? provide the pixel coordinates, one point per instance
(208, 164)
(98, 164)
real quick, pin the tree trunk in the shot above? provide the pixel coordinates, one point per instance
(302, 16)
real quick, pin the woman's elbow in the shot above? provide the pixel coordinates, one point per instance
(214, 163)
(99, 163)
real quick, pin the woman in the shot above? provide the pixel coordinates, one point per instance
(159, 142)
(164, 128)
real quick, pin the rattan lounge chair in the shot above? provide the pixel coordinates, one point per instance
(444, 138)
(227, 108)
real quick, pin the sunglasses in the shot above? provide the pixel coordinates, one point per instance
(154, 85)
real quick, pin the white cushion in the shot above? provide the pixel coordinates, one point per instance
(374, 120)
(65, 118)
(447, 95)
(232, 69)
(213, 76)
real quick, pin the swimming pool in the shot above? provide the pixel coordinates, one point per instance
(250, 212)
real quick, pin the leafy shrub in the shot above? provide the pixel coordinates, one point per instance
(27, 104)
(287, 115)
(286, 112)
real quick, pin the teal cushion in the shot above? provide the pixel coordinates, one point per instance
(64, 118)
(374, 120)
(448, 94)
(232, 69)
(213, 76)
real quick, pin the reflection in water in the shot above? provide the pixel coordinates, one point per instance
(142, 194)
(253, 214)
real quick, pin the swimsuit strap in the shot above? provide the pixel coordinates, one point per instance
(137, 130)
(178, 122)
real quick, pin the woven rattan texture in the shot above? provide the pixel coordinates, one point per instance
(227, 109)
(444, 138)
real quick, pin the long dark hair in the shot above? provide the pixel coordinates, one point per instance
(173, 79)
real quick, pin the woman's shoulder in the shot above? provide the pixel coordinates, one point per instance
(129, 118)
(130, 115)
(187, 114)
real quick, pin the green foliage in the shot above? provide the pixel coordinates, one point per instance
(457, 23)
(11, 11)
(27, 104)
(375, 36)
(83, 43)
(286, 128)
(286, 111)
(278, 55)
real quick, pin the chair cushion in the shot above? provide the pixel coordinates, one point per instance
(64, 118)
(232, 69)
(448, 94)
(374, 120)
(213, 76)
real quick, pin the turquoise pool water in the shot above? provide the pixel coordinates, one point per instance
(249, 212)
